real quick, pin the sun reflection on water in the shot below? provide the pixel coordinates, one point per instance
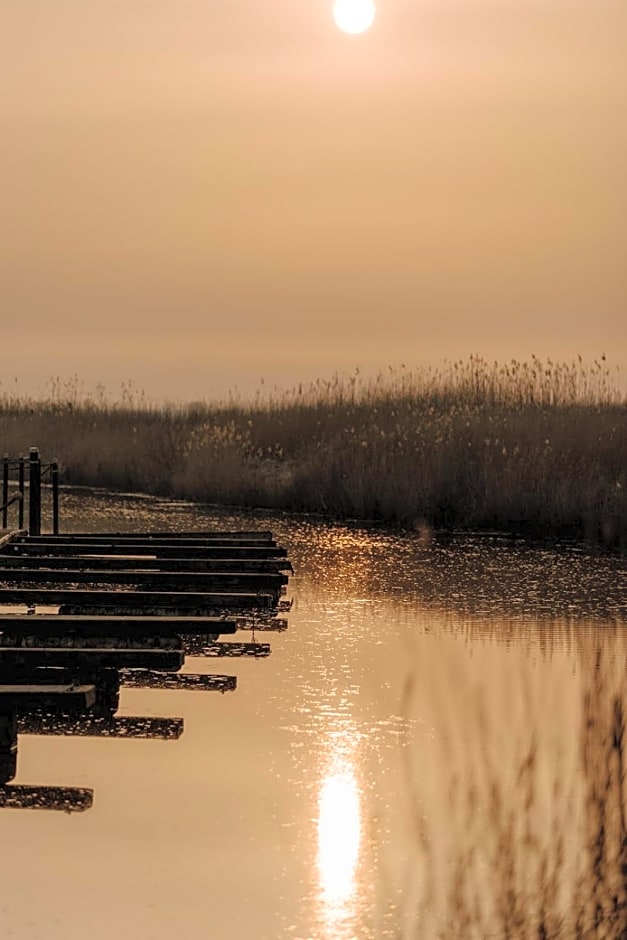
(339, 837)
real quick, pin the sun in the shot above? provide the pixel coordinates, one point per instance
(354, 16)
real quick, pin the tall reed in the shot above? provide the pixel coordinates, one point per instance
(536, 444)
(534, 842)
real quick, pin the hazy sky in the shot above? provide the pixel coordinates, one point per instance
(197, 194)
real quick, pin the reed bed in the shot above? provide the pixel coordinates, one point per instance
(535, 445)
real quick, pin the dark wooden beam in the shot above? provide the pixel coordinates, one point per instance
(269, 582)
(237, 650)
(133, 538)
(28, 641)
(50, 697)
(65, 799)
(44, 625)
(154, 601)
(191, 682)
(89, 725)
(154, 550)
(143, 562)
(249, 535)
(86, 661)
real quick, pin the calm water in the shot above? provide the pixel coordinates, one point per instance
(330, 795)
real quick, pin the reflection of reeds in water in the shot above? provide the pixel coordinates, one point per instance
(535, 845)
(527, 443)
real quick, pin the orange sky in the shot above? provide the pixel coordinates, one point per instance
(196, 195)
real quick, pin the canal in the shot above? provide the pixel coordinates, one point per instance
(418, 742)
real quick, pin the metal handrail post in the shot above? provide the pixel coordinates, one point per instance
(20, 484)
(5, 491)
(54, 476)
(34, 493)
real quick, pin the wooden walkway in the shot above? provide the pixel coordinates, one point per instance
(83, 614)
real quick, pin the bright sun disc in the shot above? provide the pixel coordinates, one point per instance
(354, 16)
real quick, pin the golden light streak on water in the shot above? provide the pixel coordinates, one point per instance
(339, 839)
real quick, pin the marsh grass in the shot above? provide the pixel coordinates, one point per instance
(534, 837)
(536, 445)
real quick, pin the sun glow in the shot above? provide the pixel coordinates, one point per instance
(354, 16)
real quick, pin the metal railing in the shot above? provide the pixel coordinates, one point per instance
(33, 468)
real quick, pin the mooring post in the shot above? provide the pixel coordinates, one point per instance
(20, 484)
(54, 476)
(5, 491)
(34, 492)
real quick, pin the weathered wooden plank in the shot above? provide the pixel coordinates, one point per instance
(43, 625)
(144, 563)
(190, 682)
(61, 697)
(65, 799)
(71, 641)
(85, 661)
(167, 601)
(237, 650)
(269, 582)
(146, 542)
(95, 611)
(89, 725)
(155, 550)
(206, 534)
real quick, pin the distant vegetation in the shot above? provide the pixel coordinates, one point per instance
(536, 445)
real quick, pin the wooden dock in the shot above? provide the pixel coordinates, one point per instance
(83, 614)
